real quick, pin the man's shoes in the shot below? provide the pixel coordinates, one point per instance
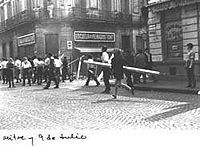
(114, 96)
(106, 92)
(45, 88)
(56, 87)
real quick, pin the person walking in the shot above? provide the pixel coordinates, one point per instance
(64, 69)
(18, 65)
(190, 57)
(106, 70)
(129, 61)
(40, 66)
(117, 64)
(51, 72)
(140, 62)
(10, 72)
(26, 71)
(91, 72)
(149, 63)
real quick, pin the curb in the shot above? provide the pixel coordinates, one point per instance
(172, 90)
(163, 89)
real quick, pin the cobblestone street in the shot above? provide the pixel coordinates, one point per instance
(85, 108)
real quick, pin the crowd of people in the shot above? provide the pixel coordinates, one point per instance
(34, 70)
(53, 68)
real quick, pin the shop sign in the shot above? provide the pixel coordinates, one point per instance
(84, 36)
(171, 4)
(26, 39)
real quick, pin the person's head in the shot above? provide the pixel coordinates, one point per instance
(104, 49)
(49, 55)
(11, 60)
(189, 46)
(117, 52)
(25, 59)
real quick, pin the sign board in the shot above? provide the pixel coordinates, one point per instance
(69, 45)
(169, 4)
(26, 39)
(85, 36)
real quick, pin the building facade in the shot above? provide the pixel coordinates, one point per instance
(171, 25)
(30, 27)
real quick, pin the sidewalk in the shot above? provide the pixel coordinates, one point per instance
(168, 86)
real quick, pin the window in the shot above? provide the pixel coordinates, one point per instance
(94, 4)
(116, 5)
(135, 6)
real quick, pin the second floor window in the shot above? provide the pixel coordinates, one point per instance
(116, 5)
(94, 4)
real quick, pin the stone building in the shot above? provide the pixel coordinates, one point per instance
(171, 25)
(29, 27)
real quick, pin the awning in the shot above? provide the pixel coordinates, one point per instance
(92, 50)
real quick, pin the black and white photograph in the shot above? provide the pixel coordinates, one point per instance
(99, 73)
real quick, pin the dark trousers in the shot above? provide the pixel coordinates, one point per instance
(52, 77)
(26, 75)
(17, 72)
(10, 77)
(35, 75)
(39, 75)
(4, 75)
(91, 75)
(129, 78)
(64, 74)
(45, 73)
(191, 77)
(106, 77)
(57, 73)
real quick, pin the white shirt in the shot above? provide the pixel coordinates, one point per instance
(105, 57)
(26, 64)
(4, 64)
(18, 63)
(47, 61)
(35, 62)
(57, 63)
(90, 65)
(40, 63)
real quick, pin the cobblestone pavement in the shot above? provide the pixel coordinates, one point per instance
(73, 106)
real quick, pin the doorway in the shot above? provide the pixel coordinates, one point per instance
(51, 42)
(126, 43)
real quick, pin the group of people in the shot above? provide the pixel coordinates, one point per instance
(35, 70)
(142, 59)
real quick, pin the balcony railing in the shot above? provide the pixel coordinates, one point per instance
(84, 14)
(75, 13)
(20, 18)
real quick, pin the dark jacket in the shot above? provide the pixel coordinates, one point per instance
(140, 60)
(117, 66)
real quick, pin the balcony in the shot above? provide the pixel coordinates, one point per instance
(73, 14)
(85, 15)
(20, 18)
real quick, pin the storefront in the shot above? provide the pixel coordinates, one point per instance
(25, 45)
(171, 25)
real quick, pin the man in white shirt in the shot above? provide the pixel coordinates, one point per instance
(4, 67)
(26, 71)
(106, 70)
(18, 65)
(58, 65)
(35, 68)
